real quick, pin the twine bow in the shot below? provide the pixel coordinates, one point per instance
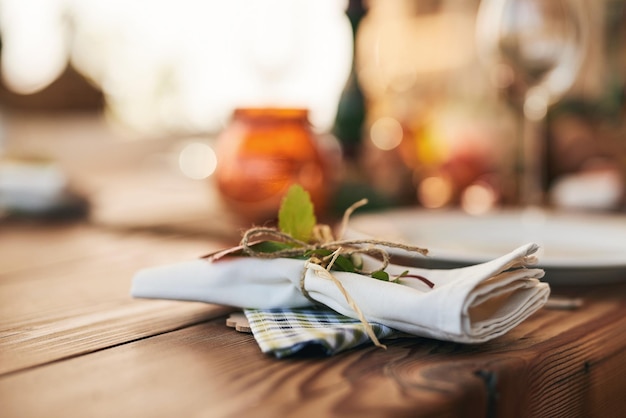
(346, 248)
(321, 265)
(323, 240)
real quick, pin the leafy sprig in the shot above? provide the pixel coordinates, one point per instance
(303, 238)
(296, 218)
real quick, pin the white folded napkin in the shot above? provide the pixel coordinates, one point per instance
(470, 305)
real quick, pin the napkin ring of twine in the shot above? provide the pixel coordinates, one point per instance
(322, 266)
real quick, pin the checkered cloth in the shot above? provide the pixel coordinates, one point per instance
(284, 332)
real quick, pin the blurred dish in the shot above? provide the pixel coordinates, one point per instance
(575, 248)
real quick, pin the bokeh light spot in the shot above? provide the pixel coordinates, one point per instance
(386, 133)
(197, 161)
(435, 192)
(478, 198)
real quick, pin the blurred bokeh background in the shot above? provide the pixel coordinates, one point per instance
(119, 105)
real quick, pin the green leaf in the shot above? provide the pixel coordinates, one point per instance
(296, 216)
(319, 253)
(403, 274)
(381, 275)
(344, 264)
(357, 261)
(270, 246)
(399, 276)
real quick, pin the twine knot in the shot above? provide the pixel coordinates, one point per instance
(320, 254)
(320, 261)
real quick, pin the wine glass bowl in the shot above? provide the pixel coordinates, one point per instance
(531, 43)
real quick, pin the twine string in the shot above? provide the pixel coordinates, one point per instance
(325, 273)
(346, 248)
(322, 265)
(316, 261)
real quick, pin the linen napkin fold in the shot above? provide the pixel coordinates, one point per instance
(284, 332)
(469, 305)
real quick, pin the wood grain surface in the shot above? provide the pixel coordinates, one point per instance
(210, 370)
(74, 344)
(64, 291)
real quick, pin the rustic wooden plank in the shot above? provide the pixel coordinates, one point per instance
(210, 370)
(25, 245)
(556, 363)
(88, 278)
(94, 329)
(74, 297)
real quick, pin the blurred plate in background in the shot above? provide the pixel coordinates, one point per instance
(575, 248)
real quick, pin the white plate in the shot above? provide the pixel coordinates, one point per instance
(575, 248)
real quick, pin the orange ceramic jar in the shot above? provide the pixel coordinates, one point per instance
(261, 153)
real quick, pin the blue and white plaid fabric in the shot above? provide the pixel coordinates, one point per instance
(283, 332)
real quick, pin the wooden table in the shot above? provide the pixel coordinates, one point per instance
(73, 343)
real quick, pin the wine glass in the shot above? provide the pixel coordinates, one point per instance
(533, 50)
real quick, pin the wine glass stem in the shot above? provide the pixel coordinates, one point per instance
(533, 154)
